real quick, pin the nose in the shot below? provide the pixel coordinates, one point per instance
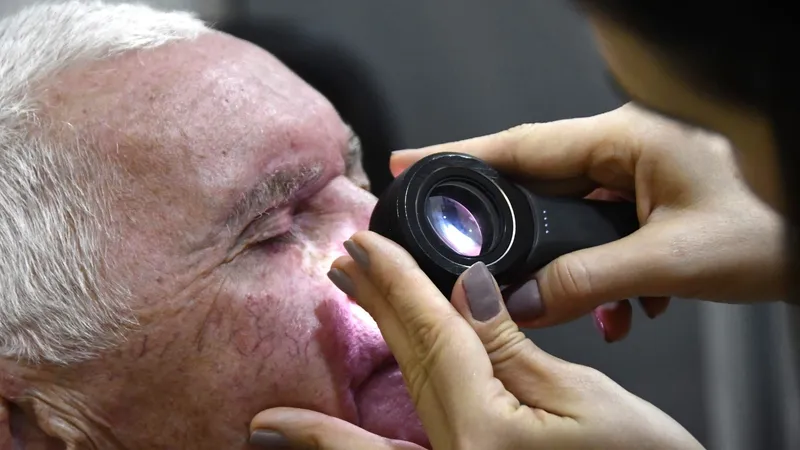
(364, 203)
(346, 201)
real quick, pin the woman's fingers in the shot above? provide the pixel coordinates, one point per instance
(440, 356)
(474, 377)
(463, 362)
(289, 428)
(568, 151)
(614, 320)
(554, 150)
(576, 283)
(529, 373)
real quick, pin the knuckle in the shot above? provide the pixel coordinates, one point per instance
(522, 130)
(518, 136)
(394, 286)
(430, 335)
(505, 343)
(571, 278)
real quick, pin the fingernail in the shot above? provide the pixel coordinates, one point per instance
(358, 254)
(525, 302)
(343, 282)
(398, 152)
(481, 290)
(270, 439)
(649, 311)
(598, 323)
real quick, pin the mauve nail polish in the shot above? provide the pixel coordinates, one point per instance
(359, 255)
(270, 440)
(343, 282)
(481, 291)
(525, 303)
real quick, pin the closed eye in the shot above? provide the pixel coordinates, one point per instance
(270, 227)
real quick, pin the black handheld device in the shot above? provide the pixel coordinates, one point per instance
(451, 210)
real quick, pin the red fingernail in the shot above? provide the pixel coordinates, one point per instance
(598, 323)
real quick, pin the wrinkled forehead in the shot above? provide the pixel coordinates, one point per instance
(202, 112)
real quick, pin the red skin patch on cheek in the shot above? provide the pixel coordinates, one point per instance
(332, 338)
(352, 349)
(251, 329)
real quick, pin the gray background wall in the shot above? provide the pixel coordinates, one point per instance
(456, 69)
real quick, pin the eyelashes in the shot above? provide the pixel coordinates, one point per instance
(269, 226)
(289, 237)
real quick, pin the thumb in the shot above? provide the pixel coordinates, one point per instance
(638, 265)
(531, 375)
(290, 428)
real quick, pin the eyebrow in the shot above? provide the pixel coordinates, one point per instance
(273, 191)
(280, 186)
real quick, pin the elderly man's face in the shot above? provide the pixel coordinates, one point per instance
(235, 201)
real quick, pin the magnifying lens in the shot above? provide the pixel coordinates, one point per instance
(451, 210)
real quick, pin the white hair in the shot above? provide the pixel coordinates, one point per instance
(58, 301)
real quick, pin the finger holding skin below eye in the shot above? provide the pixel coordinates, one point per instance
(440, 355)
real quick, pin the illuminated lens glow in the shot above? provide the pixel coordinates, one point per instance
(454, 225)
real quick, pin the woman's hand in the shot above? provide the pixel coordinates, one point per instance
(477, 382)
(703, 234)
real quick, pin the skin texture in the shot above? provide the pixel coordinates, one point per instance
(236, 314)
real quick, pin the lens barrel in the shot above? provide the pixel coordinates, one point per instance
(451, 210)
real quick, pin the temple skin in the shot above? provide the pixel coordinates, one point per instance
(236, 314)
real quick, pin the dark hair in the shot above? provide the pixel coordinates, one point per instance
(742, 53)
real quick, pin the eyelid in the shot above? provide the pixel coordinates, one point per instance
(267, 225)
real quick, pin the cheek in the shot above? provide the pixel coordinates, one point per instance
(283, 326)
(277, 317)
(272, 302)
(263, 333)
